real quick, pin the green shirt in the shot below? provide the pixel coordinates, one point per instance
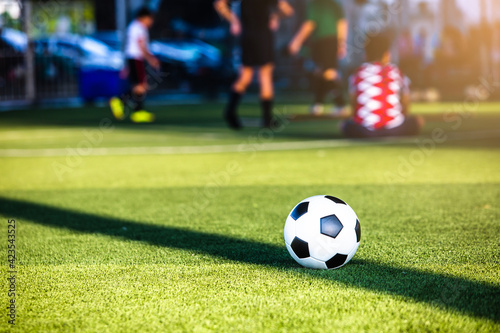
(325, 14)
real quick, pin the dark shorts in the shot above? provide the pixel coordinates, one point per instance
(257, 48)
(324, 53)
(409, 127)
(136, 71)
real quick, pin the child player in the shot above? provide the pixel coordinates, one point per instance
(380, 96)
(326, 24)
(258, 20)
(137, 53)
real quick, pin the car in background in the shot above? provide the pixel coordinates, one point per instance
(15, 38)
(195, 55)
(56, 55)
(111, 38)
(191, 62)
(76, 65)
(68, 53)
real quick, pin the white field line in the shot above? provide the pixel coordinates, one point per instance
(243, 147)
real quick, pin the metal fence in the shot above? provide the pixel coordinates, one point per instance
(12, 74)
(54, 77)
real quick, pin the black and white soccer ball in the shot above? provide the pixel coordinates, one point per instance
(322, 232)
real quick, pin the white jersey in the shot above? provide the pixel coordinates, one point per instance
(136, 32)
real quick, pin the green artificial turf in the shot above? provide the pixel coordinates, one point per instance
(194, 242)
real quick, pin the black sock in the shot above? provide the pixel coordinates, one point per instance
(267, 112)
(139, 101)
(231, 111)
(320, 90)
(127, 100)
(339, 99)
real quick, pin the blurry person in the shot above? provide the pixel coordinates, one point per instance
(326, 24)
(137, 53)
(405, 50)
(259, 18)
(380, 96)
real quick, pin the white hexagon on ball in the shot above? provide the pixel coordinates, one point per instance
(322, 232)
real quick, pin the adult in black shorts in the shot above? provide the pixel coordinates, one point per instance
(326, 24)
(259, 20)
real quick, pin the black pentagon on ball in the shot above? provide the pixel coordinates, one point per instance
(336, 200)
(330, 226)
(300, 247)
(357, 228)
(336, 261)
(300, 210)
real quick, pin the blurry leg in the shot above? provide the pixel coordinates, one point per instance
(411, 126)
(420, 121)
(238, 89)
(140, 115)
(244, 80)
(323, 84)
(320, 90)
(414, 124)
(267, 112)
(139, 90)
(138, 96)
(133, 79)
(119, 104)
(266, 93)
(334, 84)
(352, 130)
(339, 100)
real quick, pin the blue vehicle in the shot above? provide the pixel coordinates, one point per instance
(14, 38)
(191, 62)
(80, 50)
(195, 55)
(88, 64)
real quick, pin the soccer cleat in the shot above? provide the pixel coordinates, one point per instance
(116, 106)
(316, 109)
(142, 117)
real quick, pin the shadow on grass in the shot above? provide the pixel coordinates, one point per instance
(469, 297)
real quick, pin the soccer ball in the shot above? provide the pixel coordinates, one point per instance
(322, 232)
